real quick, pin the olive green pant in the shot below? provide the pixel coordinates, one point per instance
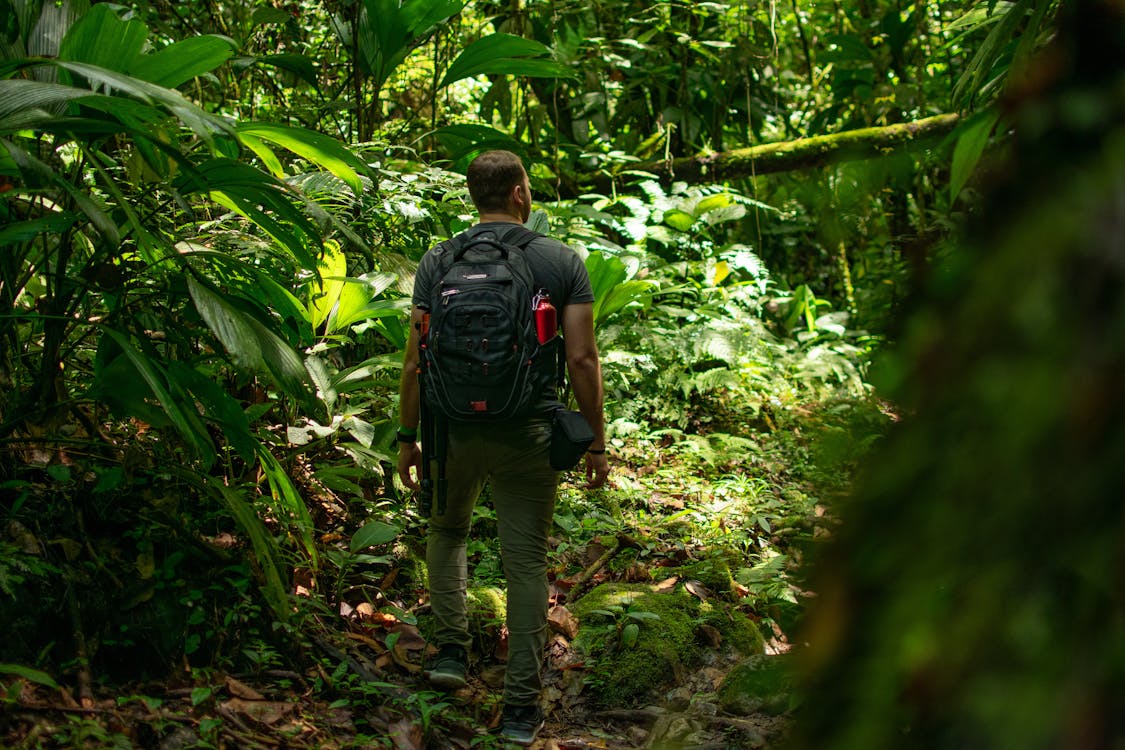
(513, 457)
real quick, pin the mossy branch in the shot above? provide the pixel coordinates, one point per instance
(787, 156)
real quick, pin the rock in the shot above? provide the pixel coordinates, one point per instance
(678, 699)
(758, 684)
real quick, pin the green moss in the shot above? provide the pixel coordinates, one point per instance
(759, 683)
(738, 631)
(620, 674)
(487, 605)
(714, 572)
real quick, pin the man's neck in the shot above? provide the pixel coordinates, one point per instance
(486, 218)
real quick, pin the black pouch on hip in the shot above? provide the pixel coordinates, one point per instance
(570, 437)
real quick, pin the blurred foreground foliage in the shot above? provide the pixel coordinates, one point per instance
(975, 594)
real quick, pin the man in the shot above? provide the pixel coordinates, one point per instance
(513, 456)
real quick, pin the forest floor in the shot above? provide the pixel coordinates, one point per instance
(351, 674)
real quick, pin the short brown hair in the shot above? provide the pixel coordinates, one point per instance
(491, 177)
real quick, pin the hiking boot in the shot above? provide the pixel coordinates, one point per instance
(448, 671)
(521, 724)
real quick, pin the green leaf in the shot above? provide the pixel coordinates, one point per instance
(620, 297)
(679, 220)
(605, 272)
(21, 231)
(389, 29)
(27, 673)
(100, 38)
(323, 151)
(467, 141)
(322, 379)
(629, 635)
(372, 534)
(299, 65)
(324, 292)
(972, 139)
(504, 54)
(266, 549)
(185, 421)
(182, 61)
(250, 344)
(219, 406)
(288, 503)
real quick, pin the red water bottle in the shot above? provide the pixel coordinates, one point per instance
(546, 319)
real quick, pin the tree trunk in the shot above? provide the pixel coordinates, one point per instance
(787, 156)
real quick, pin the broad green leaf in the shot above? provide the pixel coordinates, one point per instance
(363, 432)
(322, 379)
(356, 301)
(268, 15)
(18, 95)
(27, 673)
(324, 292)
(605, 272)
(250, 344)
(504, 54)
(54, 18)
(100, 38)
(265, 153)
(732, 212)
(711, 203)
(539, 222)
(299, 65)
(971, 142)
(679, 220)
(372, 534)
(257, 196)
(203, 124)
(620, 297)
(21, 231)
(180, 62)
(389, 29)
(323, 151)
(467, 141)
(629, 635)
(382, 308)
(219, 406)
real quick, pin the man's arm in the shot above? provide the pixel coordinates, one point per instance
(586, 379)
(409, 454)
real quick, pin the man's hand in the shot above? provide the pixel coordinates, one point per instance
(597, 470)
(410, 456)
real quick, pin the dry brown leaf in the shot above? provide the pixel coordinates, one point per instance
(368, 641)
(406, 735)
(697, 589)
(562, 621)
(264, 712)
(242, 690)
(665, 586)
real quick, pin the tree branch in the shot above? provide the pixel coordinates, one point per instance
(787, 156)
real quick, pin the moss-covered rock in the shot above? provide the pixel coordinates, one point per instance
(738, 631)
(622, 669)
(759, 683)
(714, 572)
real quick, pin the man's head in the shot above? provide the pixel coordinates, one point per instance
(498, 183)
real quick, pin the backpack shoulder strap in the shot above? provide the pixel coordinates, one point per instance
(520, 236)
(451, 249)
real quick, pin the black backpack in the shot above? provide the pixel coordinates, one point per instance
(481, 359)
